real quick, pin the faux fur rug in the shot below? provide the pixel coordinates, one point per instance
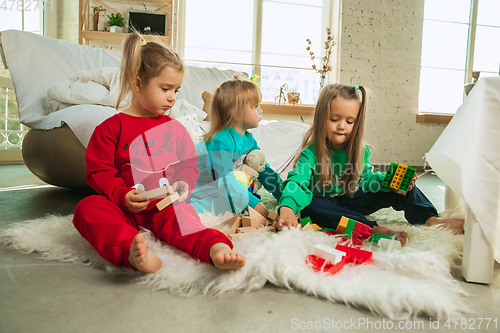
(400, 284)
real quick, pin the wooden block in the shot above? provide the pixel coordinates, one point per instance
(273, 216)
(229, 219)
(234, 237)
(246, 230)
(260, 220)
(159, 192)
(167, 201)
(308, 226)
(277, 226)
(267, 228)
(248, 221)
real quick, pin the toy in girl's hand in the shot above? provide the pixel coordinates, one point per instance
(247, 170)
(399, 178)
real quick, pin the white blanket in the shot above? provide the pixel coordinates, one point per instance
(100, 86)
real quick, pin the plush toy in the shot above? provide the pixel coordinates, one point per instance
(247, 170)
(206, 96)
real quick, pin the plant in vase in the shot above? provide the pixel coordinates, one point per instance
(324, 65)
(116, 22)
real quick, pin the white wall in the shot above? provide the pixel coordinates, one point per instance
(381, 45)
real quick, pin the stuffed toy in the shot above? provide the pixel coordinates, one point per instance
(206, 96)
(247, 170)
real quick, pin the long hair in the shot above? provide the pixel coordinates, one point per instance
(144, 61)
(228, 104)
(318, 138)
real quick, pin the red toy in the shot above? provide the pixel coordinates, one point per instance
(355, 256)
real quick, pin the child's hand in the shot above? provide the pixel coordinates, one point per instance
(135, 202)
(183, 188)
(287, 217)
(412, 185)
(261, 209)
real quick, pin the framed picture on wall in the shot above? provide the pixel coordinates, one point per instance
(147, 23)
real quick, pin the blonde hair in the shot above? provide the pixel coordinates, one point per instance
(318, 138)
(228, 104)
(144, 60)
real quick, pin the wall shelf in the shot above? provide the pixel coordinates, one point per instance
(85, 34)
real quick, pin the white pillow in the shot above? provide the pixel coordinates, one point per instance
(37, 62)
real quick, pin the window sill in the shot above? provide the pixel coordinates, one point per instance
(434, 118)
(285, 109)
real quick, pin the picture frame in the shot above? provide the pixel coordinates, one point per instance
(147, 22)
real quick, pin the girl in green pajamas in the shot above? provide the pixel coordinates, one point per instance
(333, 176)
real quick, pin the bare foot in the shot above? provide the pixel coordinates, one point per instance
(456, 226)
(401, 236)
(224, 258)
(141, 257)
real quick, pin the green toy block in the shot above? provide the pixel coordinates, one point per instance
(376, 237)
(389, 175)
(405, 182)
(350, 227)
(305, 221)
(328, 230)
(407, 179)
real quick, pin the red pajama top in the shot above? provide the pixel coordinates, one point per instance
(125, 150)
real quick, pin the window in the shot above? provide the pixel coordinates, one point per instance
(20, 15)
(459, 38)
(265, 37)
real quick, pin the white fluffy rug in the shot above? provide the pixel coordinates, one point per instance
(398, 285)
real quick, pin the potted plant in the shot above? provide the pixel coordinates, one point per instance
(116, 22)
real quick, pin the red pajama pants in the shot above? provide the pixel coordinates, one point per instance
(111, 230)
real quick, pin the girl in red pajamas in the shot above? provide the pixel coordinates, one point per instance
(142, 148)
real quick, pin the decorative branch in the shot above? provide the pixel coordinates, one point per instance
(324, 64)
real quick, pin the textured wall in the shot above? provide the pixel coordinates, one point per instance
(381, 43)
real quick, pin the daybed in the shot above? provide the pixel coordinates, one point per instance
(54, 147)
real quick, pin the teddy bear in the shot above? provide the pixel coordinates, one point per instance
(247, 170)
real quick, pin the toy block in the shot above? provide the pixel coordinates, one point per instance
(160, 192)
(273, 216)
(260, 220)
(267, 228)
(234, 237)
(277, 226)
(305, 221)
(243, 230)
(307, 227)
(376, 237)
(354, 255)
(231, 221)
(389, 244)
(399, 178)
(328, 253)
(316, 227)
(247, 221)
(167, 201)
(350, 227)
(329, 231)
(321, 265)
(344, 221)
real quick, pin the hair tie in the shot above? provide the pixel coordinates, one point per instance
(144, 42)
(356, 87)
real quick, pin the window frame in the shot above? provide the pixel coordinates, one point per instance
(48, 27)
(445, 118)
(331, 18)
